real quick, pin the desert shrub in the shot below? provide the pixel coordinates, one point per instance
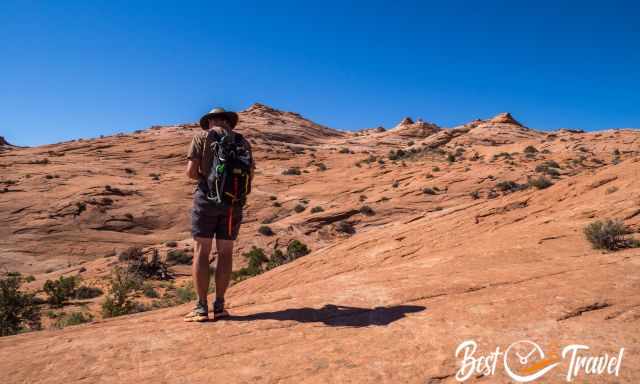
(149, 291)
(345, 227)
(277, 258)
(435, 169)
(42, 161)
(451, 157)
(130, 253)
(30, 278)
(508, 186)
(317, 209)
(61, 290)
(344, 150)
(367, 210)
(475, 195)
(74, 318)
(84, 292)
(540, 182)
(296, 249)
(150, 268)
(395, 184)
(186, 293)
(428, 191)
(256, 258)
(123, 283)
(277, 204)
(80, 207)
(530, 149)
(130, 171)
(18, 310)
(291, 171)
(553, 172)
(299, 208)
(549, 167)
(506, 155)
(265, 230)
(609, 234)
(398, 154)
(321, 167)
(370, 159)
(176, 256)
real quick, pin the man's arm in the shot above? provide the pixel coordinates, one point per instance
(194, 155)
(193, 169)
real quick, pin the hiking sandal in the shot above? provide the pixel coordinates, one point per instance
(218, 310)
(199, 314)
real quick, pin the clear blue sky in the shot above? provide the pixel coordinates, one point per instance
(72, 69)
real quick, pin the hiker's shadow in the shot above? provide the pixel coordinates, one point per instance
(336, 315)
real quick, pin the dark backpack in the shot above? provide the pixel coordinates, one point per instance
(229, 180)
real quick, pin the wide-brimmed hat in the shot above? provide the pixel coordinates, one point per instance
(231, 117)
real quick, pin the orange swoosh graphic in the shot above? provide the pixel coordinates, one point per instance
(538, 365)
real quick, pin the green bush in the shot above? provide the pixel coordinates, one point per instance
(367, 210)
(149, 291)
(317, 209)
(123, 283)
(59, 291)
(291, 171)
(265, 230)
(176, 256)
(18, 310)
(451, 157)
(84, 292)
(299, 208)
(508, 185)
(277, 258)
(530, 149)
(130, 253)
(74, 318)
(549, 167)
(435, 169)
(345, 227)
(296, 249)
(609, 234)
(540, 182)
(186, 294)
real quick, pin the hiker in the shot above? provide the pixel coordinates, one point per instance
(222, 162)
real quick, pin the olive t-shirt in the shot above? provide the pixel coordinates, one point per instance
(203, 149)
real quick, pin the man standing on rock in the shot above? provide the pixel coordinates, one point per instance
(222, 162)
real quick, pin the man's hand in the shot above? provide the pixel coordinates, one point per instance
(193, 169)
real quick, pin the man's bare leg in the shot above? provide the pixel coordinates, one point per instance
(200, 267)
(223, 269)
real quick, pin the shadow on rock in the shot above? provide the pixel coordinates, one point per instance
(336, 315)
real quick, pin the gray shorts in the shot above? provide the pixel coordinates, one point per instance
(210, 220)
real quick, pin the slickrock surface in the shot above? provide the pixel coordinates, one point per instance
(444, 255)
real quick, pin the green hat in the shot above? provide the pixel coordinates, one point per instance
(231, 117)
